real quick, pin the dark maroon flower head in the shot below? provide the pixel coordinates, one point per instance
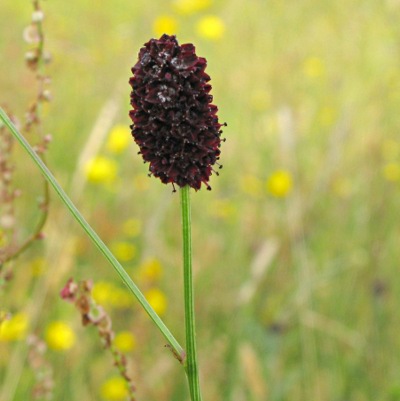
(174, 122)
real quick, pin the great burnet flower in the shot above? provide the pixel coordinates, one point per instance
(174, 122)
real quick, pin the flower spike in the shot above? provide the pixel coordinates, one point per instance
(174, 123)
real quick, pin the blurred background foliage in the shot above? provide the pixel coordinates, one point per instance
(297, 245)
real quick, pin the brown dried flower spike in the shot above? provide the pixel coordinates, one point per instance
(174, 122)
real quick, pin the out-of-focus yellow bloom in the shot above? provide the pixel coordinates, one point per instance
(211, 27)
(105, 293)
(280, 183)
(390, 149)
(101, 292)
(150, 270)
(165, 24)
(125, 341)
(114, 389)
(314, 67)
(123, 251)
(186, 7)
(251, 185)
(223, 209)
(38, 267)
(119, 139)
(15, 328)
(60, 336)
(101, 170)
(391, 172)
(157, 300)
(141, 182)
(132, 227)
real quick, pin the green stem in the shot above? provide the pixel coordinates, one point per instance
(191, 365)
(176, 348)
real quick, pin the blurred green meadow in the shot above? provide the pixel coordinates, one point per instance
(297, 246)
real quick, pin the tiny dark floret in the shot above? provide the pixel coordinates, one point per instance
(174, 122)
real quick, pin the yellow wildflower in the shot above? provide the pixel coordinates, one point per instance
(105, 293)
(101, 292)
(15, 328)
(165, 24)
(125, 341)
(151, 270)
(392, 172)
(186, 7)
(314, 67)
(114, 389)
(120, 298)
(251, 185)
(132, 227)
(60, 336)
(101, 170)
(157, 300)
(123, 251)
(211, 27)
(280, 183)
(119, 139)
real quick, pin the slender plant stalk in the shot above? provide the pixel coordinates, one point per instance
(191, 365)
(175, 346)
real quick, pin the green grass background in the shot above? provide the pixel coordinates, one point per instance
(322, 322)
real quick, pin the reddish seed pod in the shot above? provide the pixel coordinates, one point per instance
(174, 123)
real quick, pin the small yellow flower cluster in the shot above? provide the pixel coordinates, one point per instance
(132, 227)
(123, 251)
(15, 328)
(60, 336)
(280, 183)
(103, 169)
(125, 341)
(157, 300)
(186, 7)
(165, 24)
(209, 27)
(114, 389)
(106, 293)
(119, 139)
(149, 272)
